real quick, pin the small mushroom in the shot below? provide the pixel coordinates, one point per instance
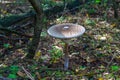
(65, 32)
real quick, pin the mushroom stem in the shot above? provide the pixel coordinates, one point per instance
(66, 64)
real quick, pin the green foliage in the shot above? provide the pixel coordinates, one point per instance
(47, 4)
(89, 22)
(91, 11)
(115, 68)
(55, 53)
(59, 74)
(97, 1)
(61, 19)
(14, 69)
(12, 76)
(6, 45)
(43, 34)
(82, 67)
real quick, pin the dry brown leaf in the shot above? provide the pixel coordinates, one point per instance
(21, 74)
(38, 76)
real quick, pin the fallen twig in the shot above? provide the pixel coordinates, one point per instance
(109, 63)
(28, 74)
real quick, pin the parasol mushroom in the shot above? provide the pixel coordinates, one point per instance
(65, 32)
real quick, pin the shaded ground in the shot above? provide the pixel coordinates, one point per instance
(95, 55)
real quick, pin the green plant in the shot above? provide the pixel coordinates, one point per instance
(55, 53)
(115, 68)
(91, 11)
(6, 45)
(90, 22)
(97, 1)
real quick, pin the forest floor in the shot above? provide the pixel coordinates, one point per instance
(93, 56)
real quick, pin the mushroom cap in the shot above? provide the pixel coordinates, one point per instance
(66, 30)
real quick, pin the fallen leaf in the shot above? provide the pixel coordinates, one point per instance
(100, 79)
(21, 74)
(113, 25)
(38, 76)
(37, 55)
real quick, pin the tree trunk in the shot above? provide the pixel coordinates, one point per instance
(32, 47)
(115, 6)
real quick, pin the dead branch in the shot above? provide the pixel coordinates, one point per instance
(15, 32)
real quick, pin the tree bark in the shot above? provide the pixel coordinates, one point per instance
(115, 7)
(32, 47)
